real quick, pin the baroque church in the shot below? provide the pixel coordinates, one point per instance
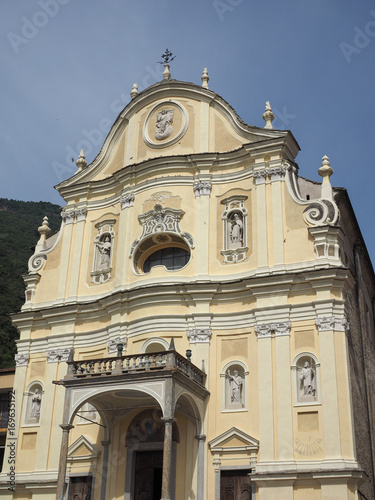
(202, 325)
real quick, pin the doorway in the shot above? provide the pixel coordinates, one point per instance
(235, 485)
(148, 475)
(80, 488)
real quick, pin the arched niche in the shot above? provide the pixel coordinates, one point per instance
(234, 387)
(306, 379)
(154, 344)
(33, 402)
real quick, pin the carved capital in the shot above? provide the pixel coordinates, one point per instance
(56, 355)
(198, 336)
(276, 173)
(113, 343)
(127, 201)
(326, 324)
(260, 177)
(202, 188)
(22, 359)
(81, 214)
(278, 329)
(68, 217)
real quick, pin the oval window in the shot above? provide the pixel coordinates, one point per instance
(172, 258)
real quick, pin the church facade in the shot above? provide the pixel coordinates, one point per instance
(201, 327)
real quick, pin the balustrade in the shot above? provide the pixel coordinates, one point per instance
(134, 363)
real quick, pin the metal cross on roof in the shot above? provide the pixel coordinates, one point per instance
(167, 56)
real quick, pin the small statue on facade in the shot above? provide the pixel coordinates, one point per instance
(36, 402)
(236, 388)
(104, 249)
(307, 382)
(236, 231)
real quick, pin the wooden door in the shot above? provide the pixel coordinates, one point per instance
(235, 485)
(148, 475)
(80, 488)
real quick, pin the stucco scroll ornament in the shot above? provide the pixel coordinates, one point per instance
(164, 124)
(56, 355)
(319, 212)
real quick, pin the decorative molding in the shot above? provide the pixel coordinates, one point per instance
(81, 214)
(327, 324)
(22, 359)
(68, 217)
(57, 355)
(199, 336)
(260, 177)
(202, 188)
(127, 201)
(113, 343)
(279, 329)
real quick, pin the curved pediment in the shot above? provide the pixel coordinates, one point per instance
(168, 119)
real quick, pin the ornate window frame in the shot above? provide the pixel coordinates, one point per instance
(225, 387)
(101, 274)
(296, 368)
(28, 421)
(160, 229)
(234, 252)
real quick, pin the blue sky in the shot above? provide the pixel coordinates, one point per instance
(68, 67)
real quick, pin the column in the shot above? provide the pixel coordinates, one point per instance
(200, 479)
(262, 236)
(167, 459)
(60, 491)
(103, 486)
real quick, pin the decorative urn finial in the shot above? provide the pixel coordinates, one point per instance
(205, 78)
(326, 171)
(134, 91)
(81, 162)
(268, 116)
(167, 58)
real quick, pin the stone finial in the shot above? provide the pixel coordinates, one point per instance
(205, 78)
(326, 171)
(81, 162)
(166, 72)
(134, 91)
(43, 230)
(268, 116)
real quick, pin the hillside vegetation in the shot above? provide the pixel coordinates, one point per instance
(19, 222)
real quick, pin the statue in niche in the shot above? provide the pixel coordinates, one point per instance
(104, 246)
(236, 382)
(236, 231)
(36, 402)
(164, 121)
(307, 383)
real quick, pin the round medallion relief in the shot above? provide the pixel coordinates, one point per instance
(165, 124)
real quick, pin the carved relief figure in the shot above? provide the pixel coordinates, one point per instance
(35, 406)
(236, 388)
(236, 231)
(307, 382)
(164, 121)
(104, 248)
